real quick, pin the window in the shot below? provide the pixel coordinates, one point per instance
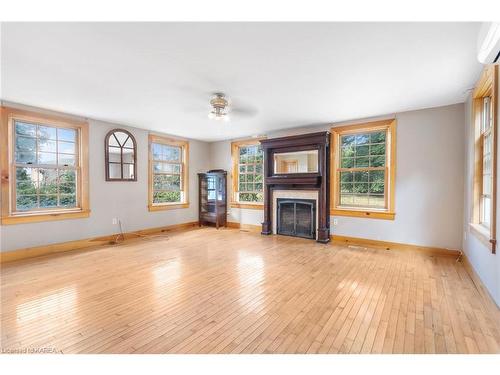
(484, 120)
(46, 166)
(363, 170)
(248, 174)
(168, 173)
(120, 151)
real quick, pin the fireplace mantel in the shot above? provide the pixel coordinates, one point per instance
(318, 181)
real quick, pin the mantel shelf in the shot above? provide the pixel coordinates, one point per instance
(293, 180)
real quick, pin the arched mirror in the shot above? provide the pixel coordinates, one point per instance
(121, 156)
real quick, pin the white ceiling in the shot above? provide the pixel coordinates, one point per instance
(159, 76)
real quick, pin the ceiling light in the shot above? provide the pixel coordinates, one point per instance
(220, 107)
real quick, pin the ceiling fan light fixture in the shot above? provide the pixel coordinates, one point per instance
(220, 107)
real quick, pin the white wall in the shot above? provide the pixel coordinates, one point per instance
(486, 264)
(124, 200)
(429, 181)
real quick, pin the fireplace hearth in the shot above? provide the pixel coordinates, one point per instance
(296, 217)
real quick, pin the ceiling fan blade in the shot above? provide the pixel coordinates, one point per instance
(244, 111)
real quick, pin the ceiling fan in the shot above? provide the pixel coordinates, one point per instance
(221, 107)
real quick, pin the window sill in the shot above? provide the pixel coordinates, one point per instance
(170, 206)
(384, 215)
(40, 217)
(481, 233)
(251, 206)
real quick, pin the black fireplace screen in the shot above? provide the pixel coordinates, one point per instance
(296, 217)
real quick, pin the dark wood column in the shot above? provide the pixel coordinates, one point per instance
(319, 181)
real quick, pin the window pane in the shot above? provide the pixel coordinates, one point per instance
(362, 150)
(66, 159)
(47, 132)
(346, 188)
(66, 134)
(346, 199)
(347, 140)
(347, 151)
(377, 161)
(114, 154)
(26, 157)
(25, 187)
(167, 182)
(121, 137)
(66, 147)
(128, 156)
(376, 201)
(377, 149)
(47, 181)
(346, 176)
(26, 202)
(362, 139)
(27, 174)
(48, 201)
(47, 158)
(166, 196)
(68, 200)
(115, 170)
(347, 163)
(377, 176)
(360, 187)
(362, 162)
(487, 184)
(67, 176)
(376, 188)
(486, 211)
(361, 176)
(47, 145)
(377, 137)
(23, 128)
(251, 197)
(167, 168)
(113, 141)
(128, 171)
(25, 144)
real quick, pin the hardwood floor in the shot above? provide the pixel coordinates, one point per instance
(227, 291)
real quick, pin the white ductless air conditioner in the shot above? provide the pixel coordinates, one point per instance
(488, 46)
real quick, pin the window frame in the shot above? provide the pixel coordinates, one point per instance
(9, 215)
(106, 156)
(388, 213)
(184, 145)
(487, 86)
(235, 152)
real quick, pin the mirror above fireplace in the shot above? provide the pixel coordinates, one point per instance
(296, 162)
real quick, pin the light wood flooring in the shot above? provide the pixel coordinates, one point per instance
(229, 291)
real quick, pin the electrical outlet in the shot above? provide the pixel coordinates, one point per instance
(335, 221)
(115, 221)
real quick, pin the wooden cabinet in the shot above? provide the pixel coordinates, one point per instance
(213, 198)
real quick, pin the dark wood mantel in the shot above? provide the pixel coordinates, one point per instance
(319, 181)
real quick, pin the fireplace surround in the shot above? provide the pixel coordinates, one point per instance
(316, 181)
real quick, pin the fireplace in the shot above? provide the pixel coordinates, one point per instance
(296, 217)
(297, 167)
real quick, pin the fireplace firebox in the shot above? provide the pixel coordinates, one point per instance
(296, 217)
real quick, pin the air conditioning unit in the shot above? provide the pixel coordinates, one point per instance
(488, 46)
